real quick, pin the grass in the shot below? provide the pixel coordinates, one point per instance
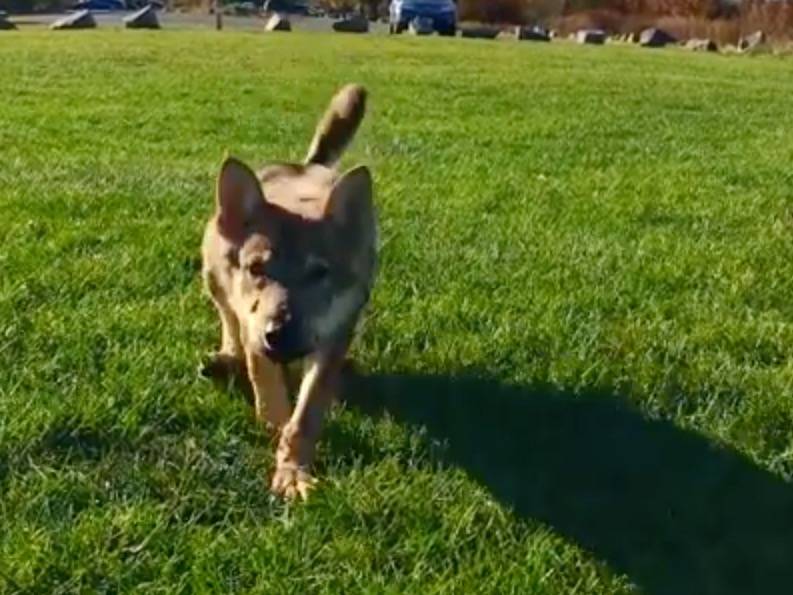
(576, 373)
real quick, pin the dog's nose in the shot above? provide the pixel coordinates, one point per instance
(281, 342)
(273, 336)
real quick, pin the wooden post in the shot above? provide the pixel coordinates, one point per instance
(218, 15)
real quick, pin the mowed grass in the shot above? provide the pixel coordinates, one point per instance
(576, 374)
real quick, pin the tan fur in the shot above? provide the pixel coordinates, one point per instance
(289, 261)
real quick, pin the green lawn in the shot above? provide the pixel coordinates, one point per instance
(576, 372)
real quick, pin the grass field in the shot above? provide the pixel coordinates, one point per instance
(576, 373)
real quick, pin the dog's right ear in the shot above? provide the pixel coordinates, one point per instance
(239, 199)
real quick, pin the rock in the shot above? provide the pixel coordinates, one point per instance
(278, 22)
(594, 36)
(752, 41)
(701, 45)
(82, 19)
(354, 24)
(532, 34)
(5, 24)
(479, 32)
(421, 26)
(145, 18)
(655, 38)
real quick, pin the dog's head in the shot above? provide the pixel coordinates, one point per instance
(302, 241)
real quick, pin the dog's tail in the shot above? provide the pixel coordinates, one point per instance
(338, 126)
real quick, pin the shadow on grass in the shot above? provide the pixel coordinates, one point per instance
(674, 512)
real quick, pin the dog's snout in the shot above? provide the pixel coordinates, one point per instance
(282, 341)
(273, 335)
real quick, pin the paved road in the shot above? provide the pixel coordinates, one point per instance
(175, 20)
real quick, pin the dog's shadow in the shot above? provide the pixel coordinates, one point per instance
(674, 512)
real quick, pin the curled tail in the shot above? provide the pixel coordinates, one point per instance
(338, 126)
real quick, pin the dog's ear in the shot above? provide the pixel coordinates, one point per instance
(239, 199)
(338, 126)
(350, 205)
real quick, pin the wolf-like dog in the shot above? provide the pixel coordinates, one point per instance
(289, 260)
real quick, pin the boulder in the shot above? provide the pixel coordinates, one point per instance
(354, 24)
(145, 18)
(701, 45)
(593, 36)
(532, 34)
(5, 24)
(750, 42)
(655, 38)
(82, 19)
(278, 22)
(421, 26)
(479, 32)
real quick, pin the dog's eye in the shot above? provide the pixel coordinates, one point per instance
(257, 268)
(317, 271)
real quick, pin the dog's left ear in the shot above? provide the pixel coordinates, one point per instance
(350, 204)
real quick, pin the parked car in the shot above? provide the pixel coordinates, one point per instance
(100, 5)
(442, 12)
(296, 7)
(138, 4)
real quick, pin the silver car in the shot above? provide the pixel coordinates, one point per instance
(442, 12)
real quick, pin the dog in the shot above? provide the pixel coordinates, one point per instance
(289, 260)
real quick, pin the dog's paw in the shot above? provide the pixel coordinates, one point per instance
(221, 366)
(291, 482)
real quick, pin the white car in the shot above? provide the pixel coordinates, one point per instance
(442, 12)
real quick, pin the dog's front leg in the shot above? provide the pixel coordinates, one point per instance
(299, 436)
(230, 360)
(269, 390)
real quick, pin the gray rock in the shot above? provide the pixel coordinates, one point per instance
(655, 38)
(421, 26)
(593, 36)
(145, 18)
(354, 24)
(479, 32)
(82, 19)
(532, 34)
(752, 41)
(278, 22)
(5, 24)
(701, 45)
